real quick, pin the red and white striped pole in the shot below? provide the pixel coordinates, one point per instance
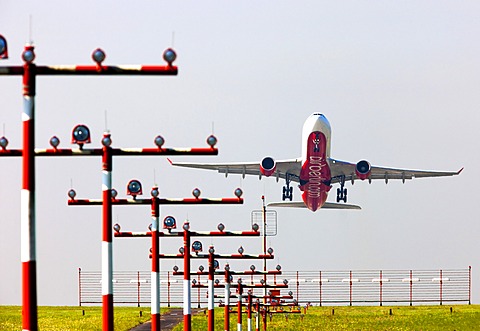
(257, 316)
(239, 305)
(249, 311)
(227, 297)
(187, 304)
(211, 303)
(155, 276)
(107, 251)
(28, 220)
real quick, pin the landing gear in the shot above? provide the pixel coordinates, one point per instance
(342, 192)
(287, 189)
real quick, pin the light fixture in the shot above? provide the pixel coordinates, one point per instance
(159, 141)
(134, 188)
(169, 222)
(3, 143)
(154, 192)
(240, 250)
(197, 246)
(54, 142)
(106, 140)
(28, 54)
(72, 194)
(81, 135)
(196, 193)
(211, 140)
(169, 56)
(98, 56)
(3, 48)
(238, 192)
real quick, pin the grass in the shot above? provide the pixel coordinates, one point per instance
(73, 318)
(462, 317)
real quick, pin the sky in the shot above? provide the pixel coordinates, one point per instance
(398, 82)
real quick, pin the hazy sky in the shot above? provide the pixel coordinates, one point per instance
(398, 80)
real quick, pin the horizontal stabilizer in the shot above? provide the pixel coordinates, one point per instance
(300, 204)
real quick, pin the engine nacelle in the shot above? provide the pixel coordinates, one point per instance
(363, 169)
(268, 166)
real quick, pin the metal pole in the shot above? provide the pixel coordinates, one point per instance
(79, 287)
(155, 276)
(320, 286)
(168, 288)
(381, 288)
(107, 251)
(264, 317)
(198, 292)
(469, 285)
(239, 305)
(441, 287)
(297, 287)
(187, 305)
(411, 288)
(257, 316)
(227, 297)
(28, 220)
(351, 284)
(249, 311)
(264, 212)
(211, 303)
(138, 288)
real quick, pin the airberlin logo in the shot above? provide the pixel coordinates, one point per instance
(315, 176)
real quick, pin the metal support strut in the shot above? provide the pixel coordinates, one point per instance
(342, 192)
(287, 189)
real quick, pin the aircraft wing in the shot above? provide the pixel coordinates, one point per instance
(342, 168)
(253, 168)
(300, 204)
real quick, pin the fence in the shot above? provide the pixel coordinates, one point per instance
(315, 287)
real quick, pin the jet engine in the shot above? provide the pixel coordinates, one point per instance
(362, 169)
(267, 166)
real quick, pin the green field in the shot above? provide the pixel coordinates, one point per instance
(462, 317)
(73, 318)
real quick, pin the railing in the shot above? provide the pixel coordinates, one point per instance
(365, 287)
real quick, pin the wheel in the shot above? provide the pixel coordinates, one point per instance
(290, 193)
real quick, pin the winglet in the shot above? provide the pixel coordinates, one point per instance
(171, 162)
(459, 171)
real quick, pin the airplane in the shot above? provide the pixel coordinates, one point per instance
(315, 170)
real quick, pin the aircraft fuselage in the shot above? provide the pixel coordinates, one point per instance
(315, 175)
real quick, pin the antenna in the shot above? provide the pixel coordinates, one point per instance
(106, 123)
(30, 28)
